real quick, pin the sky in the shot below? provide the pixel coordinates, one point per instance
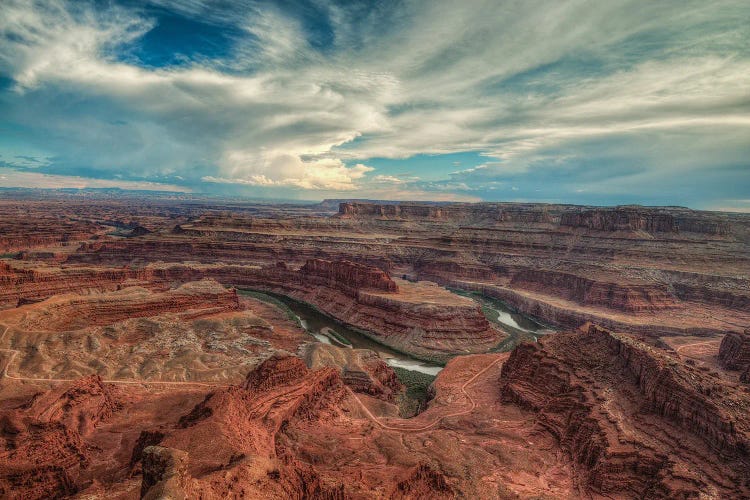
(575, 101)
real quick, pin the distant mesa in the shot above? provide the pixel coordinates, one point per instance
(607, 219)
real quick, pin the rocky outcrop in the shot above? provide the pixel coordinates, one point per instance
(164, 474)
(43, 448)
(734, 351)
(425, 483)
(361, 369)
(278, 370)
(243, 428)
(614, 402)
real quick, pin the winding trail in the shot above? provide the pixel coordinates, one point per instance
(679, 348)
(437, 420)
(702, 361)
(14, 353)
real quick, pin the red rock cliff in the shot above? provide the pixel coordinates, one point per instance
(618, 296)
(349, 275)
(620, 219)
(734, 351)
(651, 220)
(43, 449)
(614, 402)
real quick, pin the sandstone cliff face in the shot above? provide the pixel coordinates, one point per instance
(349, 275)
(619, 219)
(702, 225)
(23, 283)
(713, 294)
(448, 212)
(605, 219)
(394, 210)
(614, 404)
(616, 296)
(643, 219)
(734, 351)
(43, 450)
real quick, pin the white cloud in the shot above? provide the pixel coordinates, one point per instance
(14, 178)
(287, 170)
(423, 77)
(388, 179)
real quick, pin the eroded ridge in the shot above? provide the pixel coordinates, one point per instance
(636, 420)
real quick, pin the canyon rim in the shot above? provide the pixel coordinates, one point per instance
(368, 249)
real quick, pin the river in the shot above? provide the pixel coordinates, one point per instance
(327, 330)
(519, 327)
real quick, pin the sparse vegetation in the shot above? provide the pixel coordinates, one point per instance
(417, 393)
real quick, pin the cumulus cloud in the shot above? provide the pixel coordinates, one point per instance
(325, 174)
(595, 97)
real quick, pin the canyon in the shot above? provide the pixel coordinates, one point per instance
(148, 350)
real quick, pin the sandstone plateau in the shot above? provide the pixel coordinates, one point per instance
(150, 348)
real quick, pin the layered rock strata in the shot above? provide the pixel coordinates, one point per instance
(421, 319)
(734, 351)
(361, 369)
(418, 318)
(43, 443)
(621, 266)
(637, 422)
(68, 312)
(242, 423)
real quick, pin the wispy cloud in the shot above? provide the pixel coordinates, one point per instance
(14, 178)
(595, 97)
